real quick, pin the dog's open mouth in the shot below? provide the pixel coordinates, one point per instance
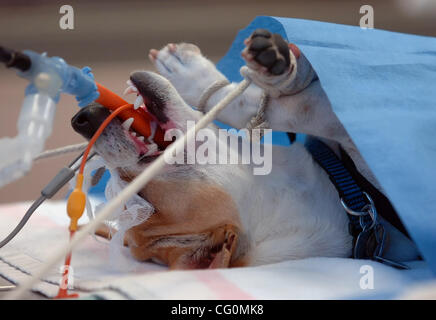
(146, 147)
(139, 133)
(150, 104)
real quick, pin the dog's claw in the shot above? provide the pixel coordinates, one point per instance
(261, 33)
(172, 47)
(246, 55)
(153, 54)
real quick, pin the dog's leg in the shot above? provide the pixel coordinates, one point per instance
(276, 66)
(192, 74)
(306, 112)
(299, 103)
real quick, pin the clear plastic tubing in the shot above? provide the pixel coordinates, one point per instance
(35, 123)
(48, 77)
(34, 126)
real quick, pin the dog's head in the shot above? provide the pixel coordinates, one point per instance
(195, 224)
(119, 145)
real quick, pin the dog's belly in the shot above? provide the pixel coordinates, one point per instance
(292, 213)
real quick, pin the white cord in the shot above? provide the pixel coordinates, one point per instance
(134, 187)
(214, 87)
(61, 151)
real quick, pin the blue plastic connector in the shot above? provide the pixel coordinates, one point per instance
(71, 80)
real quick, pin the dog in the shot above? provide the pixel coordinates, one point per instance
(214, 215)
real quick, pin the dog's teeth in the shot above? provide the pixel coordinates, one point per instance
(141, 138)
(127, 123)
(133, 134)
(130, 89)
(127, 91)
(138, 102)
(153, 126)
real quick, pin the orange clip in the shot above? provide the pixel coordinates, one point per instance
(76, 203)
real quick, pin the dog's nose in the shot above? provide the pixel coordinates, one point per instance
(88, 119)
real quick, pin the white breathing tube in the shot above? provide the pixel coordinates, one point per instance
(134, 187)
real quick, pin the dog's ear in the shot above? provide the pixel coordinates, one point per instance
(226, 249)
(216, 251)
(212, 248)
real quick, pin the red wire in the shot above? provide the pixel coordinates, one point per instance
(63, 286)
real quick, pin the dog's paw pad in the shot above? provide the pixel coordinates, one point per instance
(269, 51)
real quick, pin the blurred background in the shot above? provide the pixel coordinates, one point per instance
(114, 37)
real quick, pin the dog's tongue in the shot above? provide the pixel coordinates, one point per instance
(141, 119)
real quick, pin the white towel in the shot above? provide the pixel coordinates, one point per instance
(315, 278)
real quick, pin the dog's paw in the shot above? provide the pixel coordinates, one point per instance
(186, 68)
(266, 53)
(174, 58)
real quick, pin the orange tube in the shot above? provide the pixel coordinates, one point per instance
(63, 285)
(112, 101)
(141, 119)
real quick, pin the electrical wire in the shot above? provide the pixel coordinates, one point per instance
(61, 151)
(61, 178)
(23, 220)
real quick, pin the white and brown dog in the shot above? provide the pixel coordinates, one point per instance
(222, 215)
